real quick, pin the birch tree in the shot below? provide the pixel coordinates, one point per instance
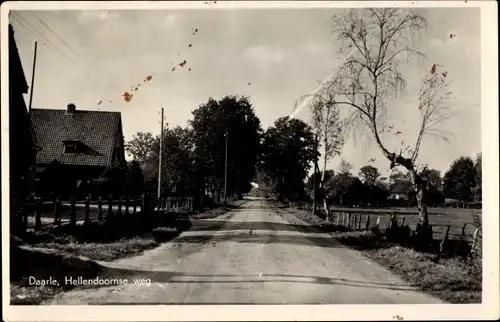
(327, 125)
(379, 41)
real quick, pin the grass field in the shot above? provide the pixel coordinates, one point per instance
(439, 218)
(451, 278)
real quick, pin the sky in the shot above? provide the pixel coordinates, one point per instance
(273, 56)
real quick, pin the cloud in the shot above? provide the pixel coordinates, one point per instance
(172, 19)
(314, 48)
(88, 16)
(264, 56)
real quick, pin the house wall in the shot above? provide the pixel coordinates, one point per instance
(61, 180)
(22, 145)
(399, 196)
(119, 148)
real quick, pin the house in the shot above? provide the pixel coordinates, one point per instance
(23, 145)
(77, 147)
(345, 190)
(401, 190)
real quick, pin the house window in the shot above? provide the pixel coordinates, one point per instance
(70, 147)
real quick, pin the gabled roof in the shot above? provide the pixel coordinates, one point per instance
(18, 84)
(96, 130)
(340, 184)
(17, 78)
(401, 186)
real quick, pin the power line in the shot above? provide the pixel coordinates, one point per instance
(81, 61)
(30, 27)
(55, 34)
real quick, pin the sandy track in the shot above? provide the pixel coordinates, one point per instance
(252, 255)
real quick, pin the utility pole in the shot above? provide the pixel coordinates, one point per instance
(226, 135)
(160, 161)
(314, 174)
(32, 81)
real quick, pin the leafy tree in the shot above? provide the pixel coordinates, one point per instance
(324, 176)
(398, 176)
(460, 180)
(379, 41)
(112, 180)
(345, 167)
(134, 180)
(177, 163)
(369, 175)
(140, 146)
(383, 182)
(288, 148)
(234, 116)
(434, 179)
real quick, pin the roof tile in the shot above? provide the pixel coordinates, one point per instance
(95, 129)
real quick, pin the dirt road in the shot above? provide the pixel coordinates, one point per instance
(252, 255)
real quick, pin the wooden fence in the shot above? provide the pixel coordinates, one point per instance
(38, 213)
(176, 203)
(357, 221)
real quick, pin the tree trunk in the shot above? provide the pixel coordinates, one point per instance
(421, 195)
(322, 184)
(217, 194)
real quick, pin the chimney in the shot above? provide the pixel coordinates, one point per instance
(71, 108)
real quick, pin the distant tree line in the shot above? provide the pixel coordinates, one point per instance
(279, 159)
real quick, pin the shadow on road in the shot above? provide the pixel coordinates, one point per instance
(60, 267)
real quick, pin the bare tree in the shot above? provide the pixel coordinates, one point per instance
(379, 40)
(328, 127)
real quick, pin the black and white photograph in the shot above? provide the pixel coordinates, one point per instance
(196, 155)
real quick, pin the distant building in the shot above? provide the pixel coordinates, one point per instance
(345, 190)
(23, 145)
(77, 146)
(401, 190)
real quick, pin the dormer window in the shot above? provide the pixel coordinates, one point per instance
(71, 146)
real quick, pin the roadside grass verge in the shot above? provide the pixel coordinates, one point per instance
(112, 238)
(47, 265)
(58, 252)
(454, 279)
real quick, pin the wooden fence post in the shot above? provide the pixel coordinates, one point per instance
(474, 240)
(57, 211)
(110, 205)
(338, 218)
(127, 204)
(72, 220)
(87, 211)
(143, 203)
(99, 208)
(119, 205)
(359, 220)
(349, 220)
(38, 214)
(377, 224)
(460, 239)
(367, 227)
(445, 239)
